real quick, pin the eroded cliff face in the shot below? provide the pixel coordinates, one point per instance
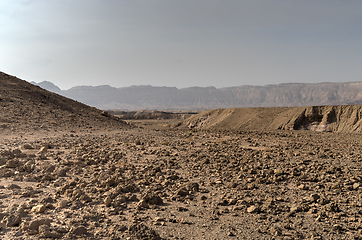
(315, 118)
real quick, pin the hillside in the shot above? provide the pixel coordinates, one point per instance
(347, 118)
(201, 98)
(26, 107)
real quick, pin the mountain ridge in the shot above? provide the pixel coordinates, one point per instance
(204, 98)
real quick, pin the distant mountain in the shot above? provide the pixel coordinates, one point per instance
(48, 86)
(171, 98)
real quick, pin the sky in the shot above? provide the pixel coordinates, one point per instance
(181, 43)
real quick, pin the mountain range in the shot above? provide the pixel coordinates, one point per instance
(203, 98)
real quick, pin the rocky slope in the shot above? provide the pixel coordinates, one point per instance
(318, 118)
(26, 107)
(169, 98)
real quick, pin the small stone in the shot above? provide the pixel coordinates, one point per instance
(132, 198)
(314, 197)
(295, 209)
(252, 209)
(182, 209)
(12, 163)
(159, 219)
(43, 150)
(153, 199)
(17, 152)
(81, 230)
(38, 208)
(182, 192)
(278, 172)
(12, 220)
(85, 198)
(2, 225)
(194, 187)
(356, 185)
(142, 204)
(108, 201)
(34, 225)
(337, 227)
(27, 146)
(62, 203)
(203, 197)
(45, 232)
(13, 186)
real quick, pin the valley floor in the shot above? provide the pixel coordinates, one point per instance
(180, 184)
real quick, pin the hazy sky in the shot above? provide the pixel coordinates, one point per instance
(181, 43)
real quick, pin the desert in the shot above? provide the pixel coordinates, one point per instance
(70, 171)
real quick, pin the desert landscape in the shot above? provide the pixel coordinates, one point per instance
(70, 171)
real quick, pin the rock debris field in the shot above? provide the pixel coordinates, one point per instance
(144, 184)
(69, 171)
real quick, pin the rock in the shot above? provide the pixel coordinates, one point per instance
(12, 220)
(62, 203)
(43, 150)
(17, 152)
(141, 231)
(203, 197)
(119, 201)
(303, 187)
(47, 200)
(38, 208)
(337, 227)
(153, 199)
(132, 198)
(13, 186)
(85, 198)
(27, 146)
(108, 201)
(314, 197)
(278, 172)
(2, 225)
(295, 209)
(356, 185)
(252, 209)
(80, 230)
(182, 192)
(142, 204)
(45, 232)
(34, 224)
(12, 163)
(182, 209)
(193, 187)
(21, 210)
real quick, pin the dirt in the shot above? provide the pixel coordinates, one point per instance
(344, 118)
(119, 180)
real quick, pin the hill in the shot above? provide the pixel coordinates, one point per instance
(203, 98)
(25, 107)
(347, 118)
(51, 87)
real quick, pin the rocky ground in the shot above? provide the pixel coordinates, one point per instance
(180, 184)
(69, 171)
